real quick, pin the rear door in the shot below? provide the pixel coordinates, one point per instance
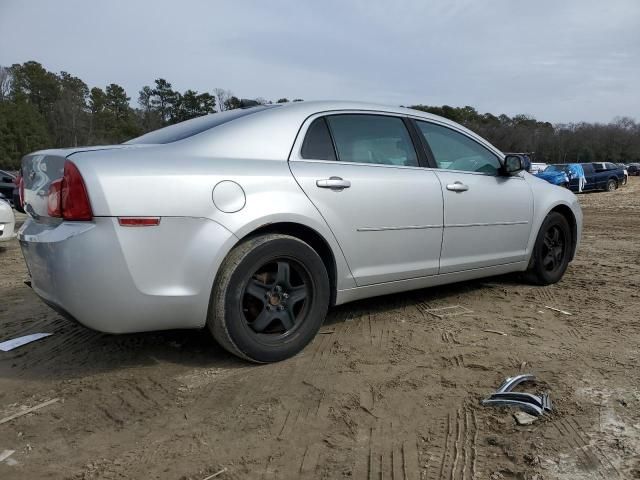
(362, 173)
(487, 216)
(590, 176)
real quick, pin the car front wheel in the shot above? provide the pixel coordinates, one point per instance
(612, 185)
(269, 299)
(551, 251)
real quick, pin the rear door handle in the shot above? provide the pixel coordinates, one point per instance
(457, 187)
(335, 183)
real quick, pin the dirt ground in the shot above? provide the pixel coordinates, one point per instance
(386, 391)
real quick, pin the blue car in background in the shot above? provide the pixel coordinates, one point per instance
(555, 174)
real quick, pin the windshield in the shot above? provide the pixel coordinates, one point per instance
(188, 128)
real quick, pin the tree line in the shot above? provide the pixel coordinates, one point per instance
(42, 109)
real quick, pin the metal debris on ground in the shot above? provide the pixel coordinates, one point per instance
(20, 341)
(497, 332)
(558, 310)
(28, 410)
(527, 402)
(452, 311)
(216, 474)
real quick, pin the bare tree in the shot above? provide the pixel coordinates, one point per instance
(5, 83)
(222, 97)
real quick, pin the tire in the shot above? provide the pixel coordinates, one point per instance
(269, 299)
(624, 181)
(612, 185)
(551, 251)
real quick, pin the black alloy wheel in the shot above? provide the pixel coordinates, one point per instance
(269, 299)
(553, 249)
(551, 252)
(274, 300)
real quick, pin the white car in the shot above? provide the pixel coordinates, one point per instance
(7, 221)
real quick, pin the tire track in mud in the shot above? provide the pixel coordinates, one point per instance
(456, 457)
(589, 456)
(387, 452)
(128, 400)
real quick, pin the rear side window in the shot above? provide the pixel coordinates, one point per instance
(317, 143)
(192, 127)
(375, 139)
(454, 151)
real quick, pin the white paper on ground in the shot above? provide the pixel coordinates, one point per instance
(20, 341)
(6, 454)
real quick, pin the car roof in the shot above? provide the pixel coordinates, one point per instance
(274, 130)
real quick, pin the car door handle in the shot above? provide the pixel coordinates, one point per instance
(333, 182)
(457, 187)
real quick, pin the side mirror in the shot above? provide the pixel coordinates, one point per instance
(512, 164)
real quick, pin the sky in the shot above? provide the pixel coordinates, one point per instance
(559, 61)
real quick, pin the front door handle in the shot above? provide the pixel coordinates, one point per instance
(335, 183)
(457, 187)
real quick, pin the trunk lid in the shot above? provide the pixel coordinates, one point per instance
(41, 168)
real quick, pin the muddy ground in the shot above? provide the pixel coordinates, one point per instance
(387, 390)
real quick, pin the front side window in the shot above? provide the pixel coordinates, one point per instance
(455, 151)
(375, 139)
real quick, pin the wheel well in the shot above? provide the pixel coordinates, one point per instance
(568, 214)
(313, 239)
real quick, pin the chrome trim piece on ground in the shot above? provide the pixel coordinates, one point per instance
(527, 402)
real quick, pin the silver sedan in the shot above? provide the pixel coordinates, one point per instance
(253, 222)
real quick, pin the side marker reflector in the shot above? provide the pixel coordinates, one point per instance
(138, 221)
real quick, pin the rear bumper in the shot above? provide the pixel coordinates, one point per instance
(6, 232)
(121, 280)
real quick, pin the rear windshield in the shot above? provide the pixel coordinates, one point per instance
(188, 128)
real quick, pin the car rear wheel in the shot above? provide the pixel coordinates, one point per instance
(270, 298)
(551, 251)
(612, 185)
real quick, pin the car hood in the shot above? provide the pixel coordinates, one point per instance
(552, 176)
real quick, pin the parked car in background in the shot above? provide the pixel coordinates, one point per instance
(555, 174)
(537, 167)
(603, 176)
(7, 220)
(625, 170)
(633, 169)
(8, 185)
(284, 210)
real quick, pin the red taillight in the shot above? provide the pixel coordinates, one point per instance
(53, 200)
(138, 221)
(68, 196)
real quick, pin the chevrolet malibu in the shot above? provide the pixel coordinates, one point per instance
(253, 222)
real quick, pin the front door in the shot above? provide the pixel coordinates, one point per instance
(487, 216)
(361, 172)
